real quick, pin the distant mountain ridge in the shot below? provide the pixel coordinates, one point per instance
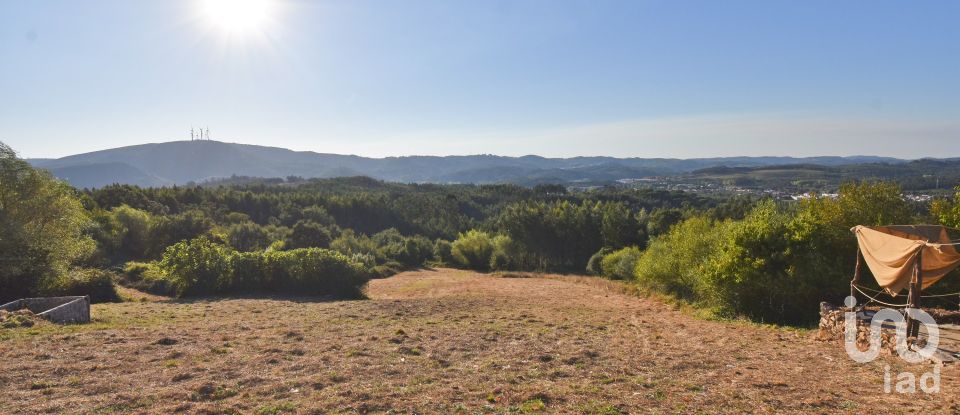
(181, 162)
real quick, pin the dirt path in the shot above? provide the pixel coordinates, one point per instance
(442, 341)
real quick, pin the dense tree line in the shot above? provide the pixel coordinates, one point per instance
(768, 260)
(59, 239)
(779, 261)
(391, 223)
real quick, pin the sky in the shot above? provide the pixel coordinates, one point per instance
(675, 78)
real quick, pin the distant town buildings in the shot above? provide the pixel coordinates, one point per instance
(694, 185)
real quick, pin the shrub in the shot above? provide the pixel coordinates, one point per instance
(135, 271)
(385, 270)
(748, 271)
(473, 250)
(350, 243)
(443, 252)
(146, 277)
(505, 254)
(197, 267)
(320, 271)
(672, 263)
(96, 283)
(947, 212)
(386, 246)
(620, 264)
(775, 265)
(594, 265)
(250, 272)
(417, 250)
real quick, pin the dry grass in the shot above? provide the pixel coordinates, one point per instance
(442, 341)
(132, 295)
(19, 318)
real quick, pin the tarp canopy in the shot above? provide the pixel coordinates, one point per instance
(891, 253)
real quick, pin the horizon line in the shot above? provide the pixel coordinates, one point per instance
(851, 156)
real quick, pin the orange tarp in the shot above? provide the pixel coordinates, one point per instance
(891, 253)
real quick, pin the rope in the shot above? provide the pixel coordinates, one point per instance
(940, 295)
(870, 289)
(921, 296)
(875, 300)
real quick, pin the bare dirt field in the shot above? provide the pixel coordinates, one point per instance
(439, 341)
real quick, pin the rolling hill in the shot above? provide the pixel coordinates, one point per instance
(181, 162)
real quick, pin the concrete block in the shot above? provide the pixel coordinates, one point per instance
(73, 309)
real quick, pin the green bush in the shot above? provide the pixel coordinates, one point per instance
(385, 270)
(443, 252)
(776, 264)
(96, 283)
(251, 272)
(351, 243)
(594, 264)
(472, 250)
(748, 272)
(136, 271)
(504, 253)
(146, 277)
(417, 250)
(320, 271)
(673, 262)
(947, 211)
(620, 264)
(386, 246)
(198, 267)
(201, 267)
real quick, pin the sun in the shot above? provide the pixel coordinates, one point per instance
(237, 16)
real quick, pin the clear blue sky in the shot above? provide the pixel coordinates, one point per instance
(556, 78)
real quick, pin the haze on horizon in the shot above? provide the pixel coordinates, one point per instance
(552, 78)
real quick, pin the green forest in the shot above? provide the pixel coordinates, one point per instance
(766, 260)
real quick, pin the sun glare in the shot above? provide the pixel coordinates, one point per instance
(237, 16)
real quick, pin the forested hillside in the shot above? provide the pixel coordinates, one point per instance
(182, 162)
(768, 260)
